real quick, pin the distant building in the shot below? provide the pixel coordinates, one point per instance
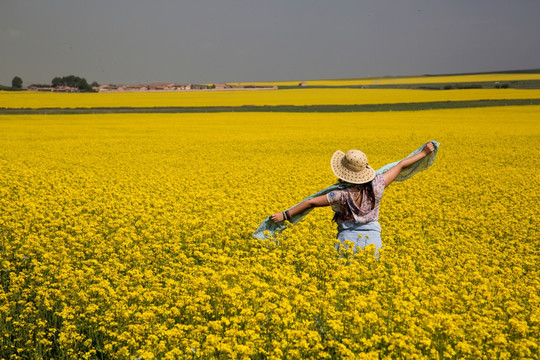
(105, 88)
(132, 88)
(221, 86)
(65, 89)
(38, 88)
(182, 86)
(161, 86)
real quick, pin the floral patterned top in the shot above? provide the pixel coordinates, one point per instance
(345, 202)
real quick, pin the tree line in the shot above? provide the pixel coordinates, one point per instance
(72, 81)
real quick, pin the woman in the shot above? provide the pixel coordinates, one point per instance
(356, 207)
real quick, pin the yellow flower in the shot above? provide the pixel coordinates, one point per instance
(129, 235)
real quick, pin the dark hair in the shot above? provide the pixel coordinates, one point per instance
(369, 189)
(371, 193)
(368, 186)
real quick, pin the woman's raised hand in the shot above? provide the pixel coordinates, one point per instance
(428, 148)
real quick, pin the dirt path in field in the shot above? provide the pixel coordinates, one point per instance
(274, 108)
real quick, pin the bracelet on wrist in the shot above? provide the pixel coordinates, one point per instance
(285, 217)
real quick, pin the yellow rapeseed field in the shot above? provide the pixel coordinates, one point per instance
(416, 80)
(129, 236)
(25, 99)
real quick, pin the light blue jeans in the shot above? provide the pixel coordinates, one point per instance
(361, 235)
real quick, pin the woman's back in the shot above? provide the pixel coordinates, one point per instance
(358, 204)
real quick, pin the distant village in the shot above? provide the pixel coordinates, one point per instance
(154, 87)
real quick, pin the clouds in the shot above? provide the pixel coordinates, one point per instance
(136, 41)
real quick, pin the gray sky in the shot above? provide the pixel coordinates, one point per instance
(205, 41)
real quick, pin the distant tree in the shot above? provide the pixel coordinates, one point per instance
(72, 81)
(83, 85)
(94, 84)
(56, 82)
(16, 82)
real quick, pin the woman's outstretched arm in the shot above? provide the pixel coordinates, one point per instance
(391, 174)
(304, 205)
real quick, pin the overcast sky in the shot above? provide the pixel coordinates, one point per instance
(206, 41)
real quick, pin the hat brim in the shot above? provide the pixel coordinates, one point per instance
(353, 177)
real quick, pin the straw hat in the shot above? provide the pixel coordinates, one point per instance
(352, 167)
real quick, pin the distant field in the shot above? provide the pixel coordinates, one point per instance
(415, 80)
(258, 98)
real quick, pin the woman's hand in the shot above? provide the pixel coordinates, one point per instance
(428, 148)
(277, 217)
